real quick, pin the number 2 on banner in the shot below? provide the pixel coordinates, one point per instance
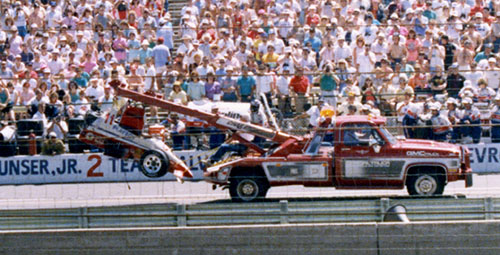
(90, 172)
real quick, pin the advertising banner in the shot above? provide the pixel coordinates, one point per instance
(485, 158)
(81, 168)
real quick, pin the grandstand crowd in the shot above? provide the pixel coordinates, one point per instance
(422, 61)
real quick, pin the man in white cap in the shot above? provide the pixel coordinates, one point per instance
(106, 101)
(441, 126)
(52, 146)
(228, 85)
(186, 45)
(95, 90)
(283, 91)
(410, 118)
(56, 65)
(342, 50)
(470, 119)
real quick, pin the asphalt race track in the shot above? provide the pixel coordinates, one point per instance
(89, 195)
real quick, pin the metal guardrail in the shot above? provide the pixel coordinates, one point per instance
(279, 212)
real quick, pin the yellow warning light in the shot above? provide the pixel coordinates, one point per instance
(327, 112)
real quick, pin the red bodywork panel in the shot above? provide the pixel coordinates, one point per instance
(133, 117)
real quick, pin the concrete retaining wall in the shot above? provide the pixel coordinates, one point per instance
(366, 239)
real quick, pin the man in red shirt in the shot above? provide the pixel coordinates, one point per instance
(300, 86)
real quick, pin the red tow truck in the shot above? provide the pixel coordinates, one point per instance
(353, 152)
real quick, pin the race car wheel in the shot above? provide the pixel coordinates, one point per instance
(154, 164)
(248, 188)
(425, 184)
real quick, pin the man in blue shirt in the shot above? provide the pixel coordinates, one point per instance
(486, 54)
(314, 40)
(161, 56)
(246, 86)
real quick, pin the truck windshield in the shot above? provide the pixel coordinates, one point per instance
(390, 138)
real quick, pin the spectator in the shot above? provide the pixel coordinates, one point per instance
(246, 86)
(5, 102)
(485, 94)
(228, 85)
(470, 119)
(265, 84)
(441, 126)
(106, 100)
(161, 57)
(58, 126)
(26, 94)
(53, 146)
(54, 107)
(453, 114)
(177, 129)
(213, 89)
(328, 85)
(438, 81)
(454, 81)
(40, 114)
(82, 104)
(352, 103)
(314, 113)
(178, 95)
(196, 88)
(300, 87)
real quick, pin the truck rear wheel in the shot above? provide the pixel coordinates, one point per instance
(153, 164)
(425, 184)
(248, 188)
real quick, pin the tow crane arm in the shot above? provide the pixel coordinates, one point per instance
(288, 143)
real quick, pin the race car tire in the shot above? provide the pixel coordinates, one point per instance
(248, 188)
(425, 184)
(153, 164)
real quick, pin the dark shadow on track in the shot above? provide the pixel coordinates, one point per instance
(319, 199)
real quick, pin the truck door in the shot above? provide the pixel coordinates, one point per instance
(363, 158)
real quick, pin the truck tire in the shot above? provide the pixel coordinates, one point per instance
(425, 184)
(248, 188)
(153, 164)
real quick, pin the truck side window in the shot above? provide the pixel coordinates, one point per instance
(358, 134)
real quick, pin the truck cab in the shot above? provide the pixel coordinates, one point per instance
(363, 154)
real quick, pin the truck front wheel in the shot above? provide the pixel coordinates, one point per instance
(248, 188)
(425, 184)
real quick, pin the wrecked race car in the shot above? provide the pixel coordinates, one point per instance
(119, 134)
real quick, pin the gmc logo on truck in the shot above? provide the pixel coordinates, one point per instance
(422, 154)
